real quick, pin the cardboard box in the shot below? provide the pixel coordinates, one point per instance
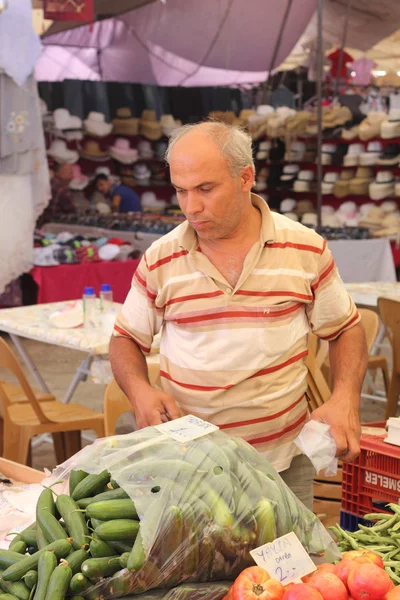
(20, 473)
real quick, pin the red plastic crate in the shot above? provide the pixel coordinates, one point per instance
(373, 480)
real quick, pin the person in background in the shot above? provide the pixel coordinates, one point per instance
(61, 195)
(123, 198)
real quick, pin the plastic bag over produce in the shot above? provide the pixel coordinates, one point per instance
(202, 505)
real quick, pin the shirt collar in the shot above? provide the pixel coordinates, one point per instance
(188, 238)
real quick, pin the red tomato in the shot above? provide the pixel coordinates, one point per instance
(324, 568)
(343, 569)
(329, 586)
(302, 591)
(255, 584)
(394, 594)
(369, 582)
(371, 556)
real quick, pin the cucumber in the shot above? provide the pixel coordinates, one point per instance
(7, 597)
(74, 520)
(18, 538)
(30, 579)
(40, 537)
(171, 541)
(138, 555)
(95, 523)
(17, 589)
(51, 528)
(79, 583)
(91, 485)
(76, 477)
(118, 530)
(8, 558)
(266, 524)
(100, 549)
(96, 568)
(112, 509)
(75, 560)
(20, 547)
(117, 494)
(190, 560)
(77, 598)
(46, 502)
(58, 583)
(120, 547)
(29, 537)
(46, 565)
(16, 571)
(123, 559)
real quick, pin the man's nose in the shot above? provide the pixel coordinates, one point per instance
(194, 204)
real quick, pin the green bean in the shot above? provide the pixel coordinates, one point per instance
(392, 575)
(348, 537)
(385, 525)
(377, 517)
(394, 507)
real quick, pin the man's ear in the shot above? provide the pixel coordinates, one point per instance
(247, 178)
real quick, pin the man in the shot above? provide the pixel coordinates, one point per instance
(61, 195)
(237, 289)
(124, 199)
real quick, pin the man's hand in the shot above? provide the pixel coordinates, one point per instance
(154, 405)
(343, 417)
(116, 201)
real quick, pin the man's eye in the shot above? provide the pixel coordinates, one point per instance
(206, 190)
(180, 191)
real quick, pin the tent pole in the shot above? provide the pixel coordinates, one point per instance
(320, 75)
(276, 50)
(344, 39)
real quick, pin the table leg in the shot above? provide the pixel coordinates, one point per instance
(81, 374)
(29, 363)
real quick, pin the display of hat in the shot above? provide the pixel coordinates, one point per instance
(150, 202)
(149, 126)
(108, 252)
(347, 214)
(310, 153)
(304, 206)
(330, 220)
(329, 182)
(296, 125)
(390, 155)
(224, 116)
(295, 152)
(292, 216)
(350, 133)
(303, 181)
(145, 149)
(365, 208)
(373, 218)
(59, 151)
(339, 154)
(67, 125)
(383, 186)
(327, 209)
(95, 124)
(310, 219)
(352, 157)
(122, 151)
(91, 151)
(391, 127)
(371, 126)
(124, 123)
(289, 175)
(141, 173)
(263, 150)
(359, 185)
(161, 149)
(371, 154)
(342, 185)
(327, 150)
(389, 206)
(169, 124)
(80, 181)
(264, 110)
(287, 205)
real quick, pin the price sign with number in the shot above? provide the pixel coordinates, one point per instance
(187, 428)
(285, 559)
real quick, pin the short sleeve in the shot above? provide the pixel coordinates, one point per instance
(139, 319)
(332, 311)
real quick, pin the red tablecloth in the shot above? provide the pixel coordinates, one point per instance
(66, 282)
(396, 254)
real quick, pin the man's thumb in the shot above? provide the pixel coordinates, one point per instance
(171, 408)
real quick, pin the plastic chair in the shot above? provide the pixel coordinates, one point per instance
(116, 403)
(390, 315)
(23, 420)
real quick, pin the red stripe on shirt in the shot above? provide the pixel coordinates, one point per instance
(262, 419)
(290, 361)
(237, 315)
(167, 259)
(193, 297)
(127, 334)
(304, 247)
(190, 386)
(333, 335)
(290, 294)
(143, 283)
(278, 434)
(323, 276)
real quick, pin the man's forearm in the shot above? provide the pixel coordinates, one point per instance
(349, 359)
(129, 366)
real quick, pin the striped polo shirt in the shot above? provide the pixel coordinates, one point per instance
(235, 357)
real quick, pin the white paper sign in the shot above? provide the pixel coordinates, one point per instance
(285, 559)
(187, 428)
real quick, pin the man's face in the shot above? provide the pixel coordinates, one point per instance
(65, 173)
(211, 198)
(104, 186)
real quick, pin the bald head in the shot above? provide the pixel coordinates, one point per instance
(232, 143)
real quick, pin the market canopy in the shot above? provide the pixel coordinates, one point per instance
(179, 43)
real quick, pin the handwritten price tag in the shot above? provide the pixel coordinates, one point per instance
(187, 428)
(285, 559)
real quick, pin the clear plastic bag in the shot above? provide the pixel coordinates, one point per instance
(202, 506)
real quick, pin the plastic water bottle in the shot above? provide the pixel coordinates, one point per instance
(106, 297)
(89, 308)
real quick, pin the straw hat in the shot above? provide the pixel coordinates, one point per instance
(124, 123)
(61, 154)
(95, 124)
(122, 152)
(91, 150)
(359, 186)
(149, 126)
(383, 186)
(342, 185)
(371, 126)
(391, 127)
(169, 124)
